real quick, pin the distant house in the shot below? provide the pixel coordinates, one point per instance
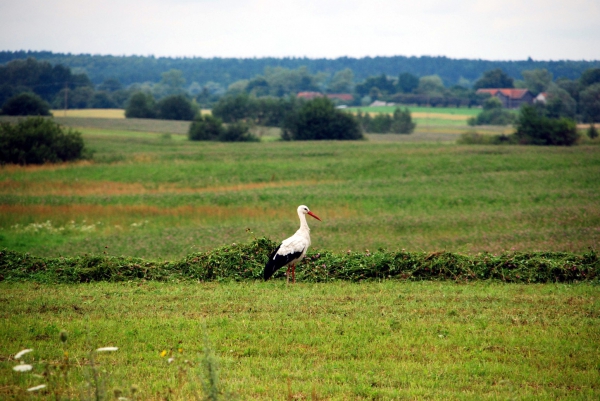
(379, 103)
(541, 98)
(510, 98)
(344, 97)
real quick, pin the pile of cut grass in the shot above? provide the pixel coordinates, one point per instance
(241, 262)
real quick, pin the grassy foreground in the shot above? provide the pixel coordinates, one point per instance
(335, 341)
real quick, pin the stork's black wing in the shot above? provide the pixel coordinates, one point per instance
(277, 261)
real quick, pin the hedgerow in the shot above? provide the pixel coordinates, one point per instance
(239, 262)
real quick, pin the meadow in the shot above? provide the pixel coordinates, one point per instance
(331, 341)
(158, 195)
(150, 193)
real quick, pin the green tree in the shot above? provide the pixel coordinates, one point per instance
(26, 104)
(205, 128)
(431, 85)
(39, 140)
(318, 119)
(141, 105)
(589, 77)
(589, 103)
(176, 107)
(407, 82)
(342, 81)
(494, 79)
(258, 86)
(102, 100)
(537, 81)
(171, 84)
(560, 103)
(381, 85)
(234, 108)
(402, 122)
(110, 85)
(534, 128)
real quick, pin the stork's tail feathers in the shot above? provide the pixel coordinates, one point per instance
(270, 268)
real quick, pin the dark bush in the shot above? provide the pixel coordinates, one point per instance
(235, 108)
(39, 140)
(141, 105)
(592, 132)
(474, 138)
(205, 128)
(318, 119)
(534, 128)
(237, 132)
(493, 114)
(176, 107)
(402, 122)
(26, 104)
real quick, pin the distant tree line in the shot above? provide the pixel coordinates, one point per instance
(59, 87)
(224, 71)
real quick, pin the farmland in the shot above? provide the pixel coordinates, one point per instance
(157, 195)
(150, 193)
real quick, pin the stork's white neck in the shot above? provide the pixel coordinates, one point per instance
(303, 223)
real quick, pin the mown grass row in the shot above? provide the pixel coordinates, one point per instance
(246, 261)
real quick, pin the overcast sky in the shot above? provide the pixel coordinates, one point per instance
(475, 29)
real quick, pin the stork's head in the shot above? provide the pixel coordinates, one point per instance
(305, 210)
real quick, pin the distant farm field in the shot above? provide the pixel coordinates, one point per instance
(90, 113)
(158, 195)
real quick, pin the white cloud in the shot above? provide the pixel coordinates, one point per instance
(492, 29)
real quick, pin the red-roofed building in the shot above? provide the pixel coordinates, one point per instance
(510, 98)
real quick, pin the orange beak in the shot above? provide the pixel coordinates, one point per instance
(314, 215)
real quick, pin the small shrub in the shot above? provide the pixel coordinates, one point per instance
(39, 140)
(592, 132)
(474, 138)
(206, 128)
(534, 128)
(237, 132)
(493, 114)
(402, 122)
(26, 104)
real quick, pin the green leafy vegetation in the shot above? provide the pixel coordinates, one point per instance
(493, 114)
(318, 119)
(38, 140)
(25, 104)
(534, 128)
(247, 261)
(400, 122)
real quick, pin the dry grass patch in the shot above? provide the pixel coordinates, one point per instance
(90, 113)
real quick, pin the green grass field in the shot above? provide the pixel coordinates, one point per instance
(153, 195)
(150, 193)
(334, 341)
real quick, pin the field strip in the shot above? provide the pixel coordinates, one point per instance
(441, 116)
(195, 213)
(89, 113)
(112, 188)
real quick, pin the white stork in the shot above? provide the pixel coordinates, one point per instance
(292, 249)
